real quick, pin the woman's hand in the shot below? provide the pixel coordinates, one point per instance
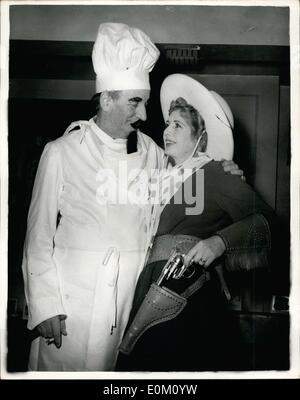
(205, 251)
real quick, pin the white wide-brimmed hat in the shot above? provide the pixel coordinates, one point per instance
(122, 57)
(212, 107)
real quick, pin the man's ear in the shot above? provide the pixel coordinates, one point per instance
(105, 101)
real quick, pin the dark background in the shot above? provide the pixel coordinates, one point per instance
(52, 81)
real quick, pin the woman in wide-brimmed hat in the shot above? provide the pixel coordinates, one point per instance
(182, 324)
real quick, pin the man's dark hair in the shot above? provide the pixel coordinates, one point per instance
(114, 94)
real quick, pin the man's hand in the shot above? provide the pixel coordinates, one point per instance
(205, 251)
(53, 328)
(233, 168)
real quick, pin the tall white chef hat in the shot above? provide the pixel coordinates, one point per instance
(122, 57)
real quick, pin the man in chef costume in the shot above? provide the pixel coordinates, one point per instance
(80, 275)
(85, 246)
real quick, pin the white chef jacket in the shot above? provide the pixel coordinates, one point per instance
(86, 267)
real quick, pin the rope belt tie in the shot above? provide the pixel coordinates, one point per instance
(112, 258)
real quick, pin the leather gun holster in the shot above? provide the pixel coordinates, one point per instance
(159, 305)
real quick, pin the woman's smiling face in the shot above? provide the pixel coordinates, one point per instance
(178, 138)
